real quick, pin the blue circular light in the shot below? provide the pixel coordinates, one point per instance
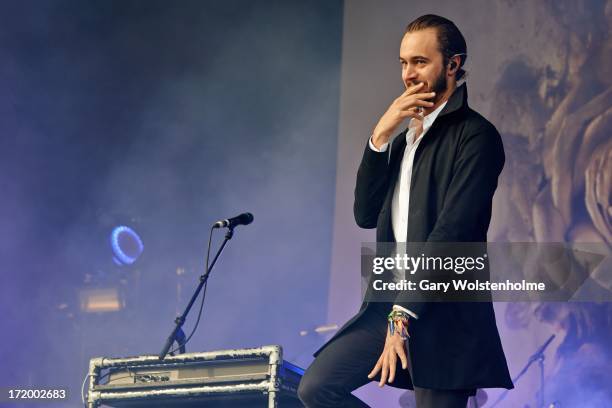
(126, 244)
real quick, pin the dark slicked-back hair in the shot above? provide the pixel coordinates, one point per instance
(450, 39)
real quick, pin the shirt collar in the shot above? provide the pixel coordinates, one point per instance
(428, 120)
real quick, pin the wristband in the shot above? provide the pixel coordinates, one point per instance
(394, 318)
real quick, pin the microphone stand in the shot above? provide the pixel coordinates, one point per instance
(177, 333)
(539, 357)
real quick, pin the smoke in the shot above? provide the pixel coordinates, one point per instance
(166, 118)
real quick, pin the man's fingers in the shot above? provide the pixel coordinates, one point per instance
(415, 104)
(422, 95)
(417, 99)
(392, 362)
(411, 113)
(402, 355)
(376, 368)
(385, 372)
(419, 102)
(413, 88)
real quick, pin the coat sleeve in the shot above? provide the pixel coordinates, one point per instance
(371, 187)
(466, 210)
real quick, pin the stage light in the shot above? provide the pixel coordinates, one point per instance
(126, 244)
(100, 300)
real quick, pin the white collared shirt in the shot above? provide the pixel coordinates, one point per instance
(400, 203)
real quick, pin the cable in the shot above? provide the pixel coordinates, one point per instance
(130, 375)
(83, 388)
(195, 327)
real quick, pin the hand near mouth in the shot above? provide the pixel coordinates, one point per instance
(409, 104)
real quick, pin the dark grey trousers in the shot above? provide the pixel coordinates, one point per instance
(344, 365)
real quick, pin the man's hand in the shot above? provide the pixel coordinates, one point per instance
(394, 347)
(405, 106)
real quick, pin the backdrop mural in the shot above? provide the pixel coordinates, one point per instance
(555, 118)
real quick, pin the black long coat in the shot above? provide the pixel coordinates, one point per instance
(455, 172)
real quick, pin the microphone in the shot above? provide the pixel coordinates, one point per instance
(242, 219)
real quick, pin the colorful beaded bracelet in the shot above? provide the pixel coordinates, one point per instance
(393, 318)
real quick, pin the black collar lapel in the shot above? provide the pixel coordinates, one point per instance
(457, 101)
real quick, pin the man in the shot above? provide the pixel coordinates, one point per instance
(435, 185)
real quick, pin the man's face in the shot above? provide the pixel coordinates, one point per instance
(422, 61)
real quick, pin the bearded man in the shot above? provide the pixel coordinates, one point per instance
(433, 183)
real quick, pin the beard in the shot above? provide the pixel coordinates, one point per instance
(439, 85)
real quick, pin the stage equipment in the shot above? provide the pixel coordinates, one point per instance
(101, 300)
(251, 377)
(539, 357)
(242, 219)
(177, 333)
(126, 244)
